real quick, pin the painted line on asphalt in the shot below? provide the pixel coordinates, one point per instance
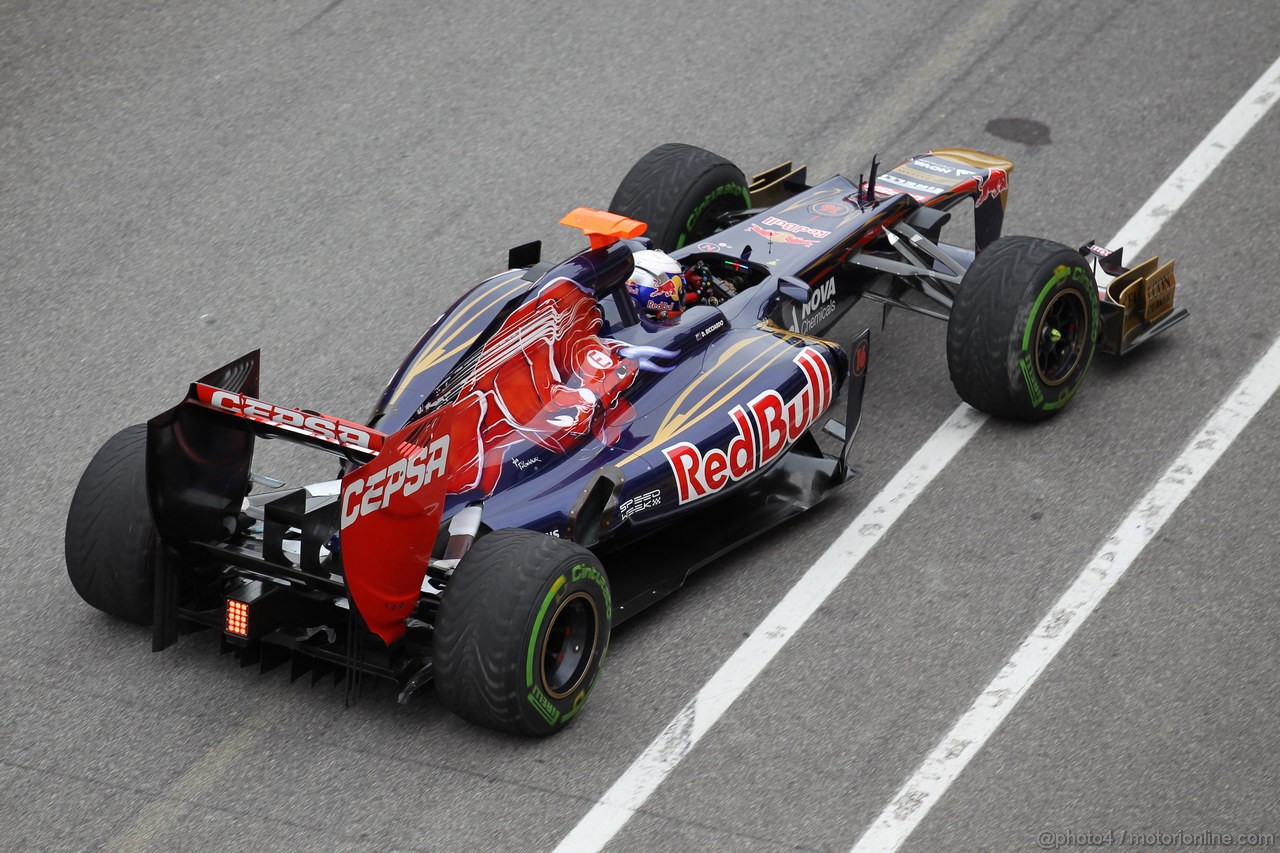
(953, 753)
(696, 718)
(648, 771)
(1113, 559)
(161, 814)
(204, 775)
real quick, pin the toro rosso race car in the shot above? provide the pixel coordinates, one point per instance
(498, 514)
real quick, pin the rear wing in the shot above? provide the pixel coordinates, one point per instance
(199, 458)
(199, 452)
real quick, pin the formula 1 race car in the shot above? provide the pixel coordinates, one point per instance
(498, 514)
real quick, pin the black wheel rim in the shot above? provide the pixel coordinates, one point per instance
(1061, 336)
(569, 645)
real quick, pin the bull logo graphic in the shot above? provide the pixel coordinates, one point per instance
(996, 183)
(545, 377)
(781, 236)
(669, 287)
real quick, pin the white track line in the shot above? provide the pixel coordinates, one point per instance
(620, 802)
(914, 800)
(1113, 559)
(647, 772)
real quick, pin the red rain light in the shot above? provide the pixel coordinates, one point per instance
(238, 618)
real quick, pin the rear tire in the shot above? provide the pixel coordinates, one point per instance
(1023, 329)
(111, 542)
(521, 632)
(680, 191)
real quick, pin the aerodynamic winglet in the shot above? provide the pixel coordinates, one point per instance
(601, 227)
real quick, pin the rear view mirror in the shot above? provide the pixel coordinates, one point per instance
(794, 289)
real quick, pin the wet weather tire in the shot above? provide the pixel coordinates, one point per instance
(521, 632)
(111, 542)
(681, 192)
(1023, 329)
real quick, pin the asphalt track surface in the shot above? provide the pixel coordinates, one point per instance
(180, 183)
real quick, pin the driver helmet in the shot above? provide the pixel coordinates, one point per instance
(657, 286)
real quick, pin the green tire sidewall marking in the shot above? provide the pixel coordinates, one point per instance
(692, 219)
(1028, 370)
(1058, 275)
(581, 698)
(537, 698)
(578, 701)
(582, 570)
(543, 706)
(537, 628)
(1029, 377)
(1062, 401)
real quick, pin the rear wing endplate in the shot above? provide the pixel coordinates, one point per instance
(199, 452)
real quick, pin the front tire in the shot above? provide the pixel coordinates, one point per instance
(521, 632)
(681, 192)
(111, 542)
(1023, 329)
